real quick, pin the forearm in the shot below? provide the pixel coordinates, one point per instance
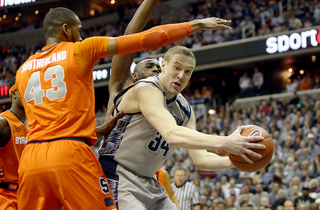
(153, 38)
(174, 200)
(208, 161)
(191, 139)
(141, 17)
(100, 130)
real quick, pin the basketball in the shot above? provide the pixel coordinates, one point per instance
(267, 153)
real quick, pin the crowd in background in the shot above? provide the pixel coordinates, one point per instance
(266, 16)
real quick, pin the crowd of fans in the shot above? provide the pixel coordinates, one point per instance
(266, 16)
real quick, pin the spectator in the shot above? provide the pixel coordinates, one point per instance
(304, 198)
(245, 85)
(257, 79)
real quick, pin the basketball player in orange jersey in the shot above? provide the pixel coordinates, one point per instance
(13, 138)
(121, 77)
(57, 92)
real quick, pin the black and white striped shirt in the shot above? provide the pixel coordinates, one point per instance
(187, 195)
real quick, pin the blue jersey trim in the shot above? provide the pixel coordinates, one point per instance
(84, 140)
(41, 51)
(17, 117)
(128, 88)
(184, 109)
(172, 100)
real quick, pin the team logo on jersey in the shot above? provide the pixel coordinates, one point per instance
(104, 185)
(21, 140)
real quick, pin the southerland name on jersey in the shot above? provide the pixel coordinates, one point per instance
(39, 63)
(21, 140)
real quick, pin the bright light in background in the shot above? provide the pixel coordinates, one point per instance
(36, 12)
(92, 12)
(4, 16)
(211, 111)
(313, 58)
(17, 18)
(301, 71)
(290, 70)
(113, 1)
(19, 15)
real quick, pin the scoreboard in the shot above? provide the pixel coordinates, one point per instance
(4, 3)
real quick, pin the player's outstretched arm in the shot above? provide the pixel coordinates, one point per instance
(109, 122)
(147, 98)
(162, 35)
(167, 186)
(120, 66)
(5, 132)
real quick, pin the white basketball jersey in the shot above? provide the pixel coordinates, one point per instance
(135, 144)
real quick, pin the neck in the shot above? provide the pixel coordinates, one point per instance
(52, 40)
(19, 112)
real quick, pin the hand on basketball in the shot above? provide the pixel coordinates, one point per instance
(210, 24)
(242, 145)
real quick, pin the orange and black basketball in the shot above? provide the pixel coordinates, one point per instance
(267, 153)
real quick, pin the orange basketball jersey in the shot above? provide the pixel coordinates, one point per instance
(160, 176)
(11, 152)
(59, 101)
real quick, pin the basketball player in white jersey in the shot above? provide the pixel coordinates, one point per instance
(157, 118)
(121, 75)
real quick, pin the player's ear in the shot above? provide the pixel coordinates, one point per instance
(135, 76)
(163, 66)
(66, 29)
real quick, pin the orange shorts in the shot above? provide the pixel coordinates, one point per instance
(62, 173)
(8, 199)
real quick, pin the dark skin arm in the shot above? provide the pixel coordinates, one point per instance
(109, 122)
(5, 132)
(120, 66)
(5, 135)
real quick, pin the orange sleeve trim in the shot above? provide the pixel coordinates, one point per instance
(153, 38)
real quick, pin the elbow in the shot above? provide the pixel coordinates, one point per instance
(170, 138)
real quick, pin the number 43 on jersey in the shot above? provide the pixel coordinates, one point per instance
(36, 93)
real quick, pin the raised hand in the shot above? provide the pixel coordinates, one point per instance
(212, 23)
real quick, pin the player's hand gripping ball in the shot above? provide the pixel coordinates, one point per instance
(267, 153)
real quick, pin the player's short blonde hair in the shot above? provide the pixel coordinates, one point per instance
(178, 50)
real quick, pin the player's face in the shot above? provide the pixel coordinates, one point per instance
(179, 177)
(149, 68)
(177, 73)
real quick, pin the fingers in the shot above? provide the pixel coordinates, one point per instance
(117, 116)
(246, 158)
(256, 146)
(254, 139)
(223, 26)
(253, 154)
